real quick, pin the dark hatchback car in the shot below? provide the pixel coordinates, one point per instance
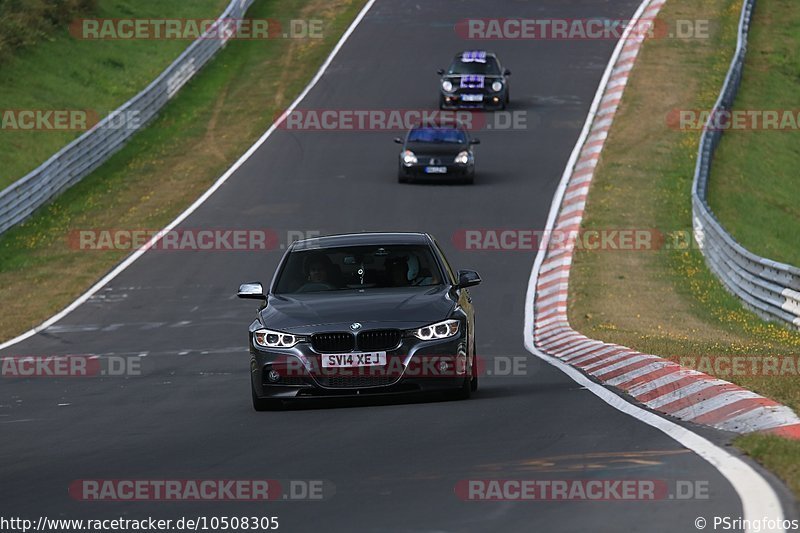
(475, 79)
(437, 152)
(362, 314)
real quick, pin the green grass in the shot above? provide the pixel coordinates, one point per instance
(777, 454)
(63, 72)
(666, 302)
(754, 187)
(27, 23)
(216, 117)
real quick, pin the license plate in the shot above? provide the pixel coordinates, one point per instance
(436, 170)
(350, 360)
(472, 98)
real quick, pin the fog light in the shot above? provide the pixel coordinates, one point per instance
(274, 376)
(447, 98)
(495, 99)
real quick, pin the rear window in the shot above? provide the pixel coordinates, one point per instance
(358, 267)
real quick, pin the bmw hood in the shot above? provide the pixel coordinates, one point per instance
(402, 308)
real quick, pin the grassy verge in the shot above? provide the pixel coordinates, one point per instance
(754, 187)
(666, 302)
(214, 120)
(63, 72)
(777, 454)
(26, 23)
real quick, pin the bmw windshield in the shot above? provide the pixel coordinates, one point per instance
(358, 267)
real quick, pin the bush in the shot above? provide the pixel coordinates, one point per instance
(25, 22)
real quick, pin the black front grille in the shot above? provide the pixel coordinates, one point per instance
(356, 382)
(333, 342)
(379, 339)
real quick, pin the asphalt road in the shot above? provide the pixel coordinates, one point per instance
(393, 464)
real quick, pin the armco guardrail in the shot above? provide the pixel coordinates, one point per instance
(83, 155)
(769, 288)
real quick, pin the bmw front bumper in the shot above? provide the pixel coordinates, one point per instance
(415, 366)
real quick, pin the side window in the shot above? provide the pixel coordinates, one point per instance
(450, 274)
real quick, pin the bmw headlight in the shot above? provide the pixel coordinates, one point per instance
(496, 86)
(447, 86)
(409, 158)
(462, 158)
(276, 339)
(440, 330)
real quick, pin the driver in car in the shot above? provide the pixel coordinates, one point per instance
(318, 274)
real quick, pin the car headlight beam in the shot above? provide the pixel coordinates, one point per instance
(440, 330)
(497, 86)
(266, 338)
(409, 158)
(447, 86)
(462, 158)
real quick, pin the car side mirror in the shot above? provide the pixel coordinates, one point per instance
(398, 140)
(440, 71)
(467, 278)
(252, 291)
(474, 141)
(507, 72)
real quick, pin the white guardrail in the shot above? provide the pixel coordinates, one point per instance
(83, 155)
(769, 288)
